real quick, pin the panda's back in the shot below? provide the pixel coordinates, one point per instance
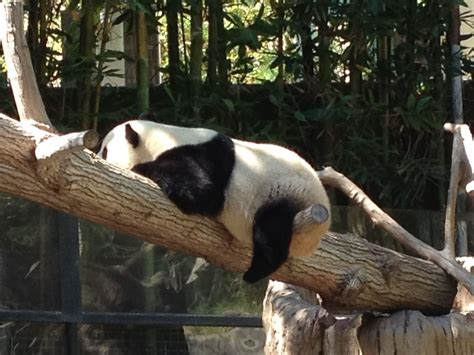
(262, 173)
(159, 137)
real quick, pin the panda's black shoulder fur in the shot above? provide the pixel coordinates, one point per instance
(196, 176)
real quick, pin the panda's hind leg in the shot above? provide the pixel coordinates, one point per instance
(272, 230)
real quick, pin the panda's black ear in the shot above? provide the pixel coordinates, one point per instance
(131, 136)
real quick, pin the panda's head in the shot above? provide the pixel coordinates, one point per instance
(125, 145)
(140, 141)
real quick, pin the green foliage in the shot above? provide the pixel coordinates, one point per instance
(361, 85)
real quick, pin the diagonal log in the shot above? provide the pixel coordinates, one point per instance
(379, 218)
(18, 60)
(348, 272)
(49, 151)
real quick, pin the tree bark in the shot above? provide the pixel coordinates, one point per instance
(293, 325)
(18, 60)
(174, 64)
(212, 47)
(222, 63)
(195, 62)
(106, 27)
(348, 272)
(143, 83)
(87, 38)
(379, 218)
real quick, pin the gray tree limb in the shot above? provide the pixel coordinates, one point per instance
(348, 272)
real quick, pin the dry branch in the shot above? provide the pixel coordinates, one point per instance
(465, 152)
(379, 218)
(450, 217)
(62, 144)
(18, 60)
(348, 272)
(462, 163)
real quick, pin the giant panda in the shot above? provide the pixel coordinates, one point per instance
(255, 190)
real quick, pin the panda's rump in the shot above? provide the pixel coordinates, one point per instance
(264, 173)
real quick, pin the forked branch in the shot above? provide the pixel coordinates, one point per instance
(382, 220)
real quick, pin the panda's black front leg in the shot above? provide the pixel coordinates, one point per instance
(185, 183)
(194, 177)
(271, 239)
(267, 258)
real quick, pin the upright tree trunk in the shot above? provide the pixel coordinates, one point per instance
(185, 66)
(222, 64)
(143, 85)
(325, 69)
(100, 64)
(32, 32)
(217, 67)
(358, 50)
(281, 16)
(304, 19)
(44, 10)
(130, 49)
(86, 51)
(212, 48)
(172, 7)
(196, 47)
(154, 59)
(384, 71)
(37, 37)
(18, 60)
(384, 91)
(439, 94)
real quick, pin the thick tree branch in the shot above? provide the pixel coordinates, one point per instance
(20, 69)
(379, 218)
(348, 272)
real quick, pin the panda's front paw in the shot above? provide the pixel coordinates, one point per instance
(252, 276)
(259, 269)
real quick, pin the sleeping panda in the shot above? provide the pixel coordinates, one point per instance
(255, 190)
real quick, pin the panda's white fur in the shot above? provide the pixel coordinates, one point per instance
(156, 139)
(262, 172)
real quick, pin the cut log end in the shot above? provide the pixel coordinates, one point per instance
(309, 226)
(62, 144)
(314, 215)
(319, 213)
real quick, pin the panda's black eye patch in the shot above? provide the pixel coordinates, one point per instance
(104, 153)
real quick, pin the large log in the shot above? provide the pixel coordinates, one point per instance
(295, 326)
(348, 272)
